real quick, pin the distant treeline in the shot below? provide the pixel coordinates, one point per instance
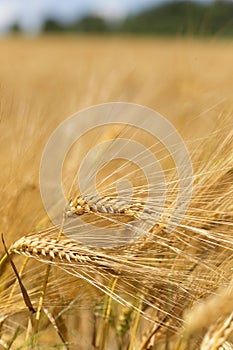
(172, 18)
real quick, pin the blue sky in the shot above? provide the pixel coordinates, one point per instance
(29, 14)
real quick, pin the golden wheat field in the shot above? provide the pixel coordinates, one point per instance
(162, 291)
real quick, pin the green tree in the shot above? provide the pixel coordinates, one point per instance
(51, 25)
(183, 17)
(90, 24)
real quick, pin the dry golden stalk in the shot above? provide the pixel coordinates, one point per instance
(218, 333)
(207, 312)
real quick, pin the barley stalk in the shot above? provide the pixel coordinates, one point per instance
(218, 334)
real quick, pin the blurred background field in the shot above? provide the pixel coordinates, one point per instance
(46, 79)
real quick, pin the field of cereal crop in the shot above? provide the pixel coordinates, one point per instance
(45, 80)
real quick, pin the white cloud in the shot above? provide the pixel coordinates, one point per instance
(112, 10)
(9, 14)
